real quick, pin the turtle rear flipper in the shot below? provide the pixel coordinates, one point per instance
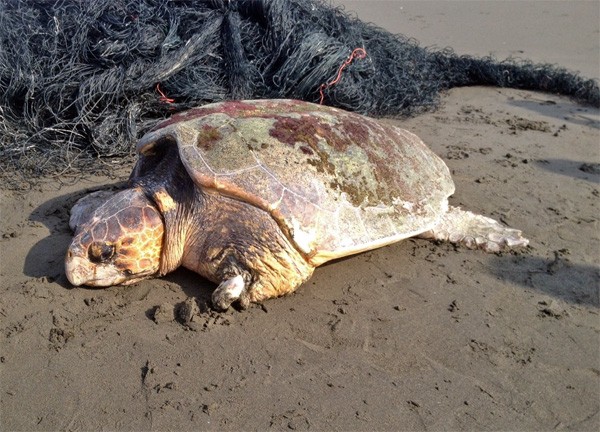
(475, 231)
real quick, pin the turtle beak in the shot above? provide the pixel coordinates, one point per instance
(81, 271)
(77, 269)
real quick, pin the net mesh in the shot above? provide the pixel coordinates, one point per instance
(78, 79)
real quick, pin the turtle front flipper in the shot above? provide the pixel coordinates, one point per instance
(244, 278)
(230, 291)
(256, 277)
(235, 280)
(475, 232)
(242, 249)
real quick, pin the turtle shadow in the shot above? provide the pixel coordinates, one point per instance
(192, 284)
(557, 277)
(46, 257)
(588, 171)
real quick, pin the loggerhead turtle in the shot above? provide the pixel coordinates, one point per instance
(253, 195)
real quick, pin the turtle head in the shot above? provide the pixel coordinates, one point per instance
(118, 243)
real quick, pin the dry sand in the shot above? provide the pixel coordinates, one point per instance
(414, 336)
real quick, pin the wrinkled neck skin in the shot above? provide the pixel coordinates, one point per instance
(180, 229)
(180, 204)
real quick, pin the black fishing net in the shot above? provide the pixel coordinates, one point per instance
(81, 79)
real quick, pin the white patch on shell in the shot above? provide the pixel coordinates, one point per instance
(380, 209)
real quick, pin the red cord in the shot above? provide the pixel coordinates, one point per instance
(163, 97)
(357, 53)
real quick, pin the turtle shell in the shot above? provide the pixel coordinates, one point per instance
(336, 182)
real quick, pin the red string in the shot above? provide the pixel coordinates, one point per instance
(359, 53)
(163, 97)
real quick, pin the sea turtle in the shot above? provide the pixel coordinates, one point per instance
(253, 195)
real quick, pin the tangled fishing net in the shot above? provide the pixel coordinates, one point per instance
(85, 79)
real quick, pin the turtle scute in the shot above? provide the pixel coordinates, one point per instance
(336, 182)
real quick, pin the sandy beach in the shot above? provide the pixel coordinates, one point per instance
(413, 336)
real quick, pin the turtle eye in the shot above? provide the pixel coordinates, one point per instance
(100, 252)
